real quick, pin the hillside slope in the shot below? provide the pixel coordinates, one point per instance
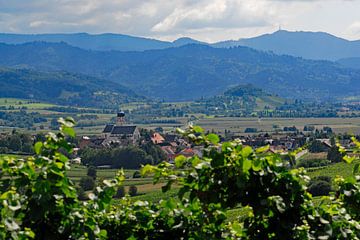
(63, 88)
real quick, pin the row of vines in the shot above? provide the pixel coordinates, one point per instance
(39, 201)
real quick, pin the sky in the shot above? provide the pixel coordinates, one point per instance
(205, 20)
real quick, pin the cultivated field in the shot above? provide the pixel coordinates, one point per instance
(238, 125)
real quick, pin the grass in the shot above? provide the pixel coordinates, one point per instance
(156, 196)
(338, 169)
(19, 103)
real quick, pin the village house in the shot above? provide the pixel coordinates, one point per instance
(156, 138)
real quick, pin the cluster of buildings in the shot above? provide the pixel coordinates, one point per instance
(119, 134)
(122, 134)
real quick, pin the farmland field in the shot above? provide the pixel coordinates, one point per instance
(238, 125)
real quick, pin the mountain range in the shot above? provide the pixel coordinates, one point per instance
(309, 45)
(191, 71)
(97, 42)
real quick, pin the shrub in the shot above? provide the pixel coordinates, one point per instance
(320, 186)
(316, 146)
(136, 174)
(81, 194)
(334, 155)
(132, 190)
(120, 192)
(91, 172)
(251, 130)
(309, 163)
(87, 183)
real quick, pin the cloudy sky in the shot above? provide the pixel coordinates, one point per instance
(207, 20)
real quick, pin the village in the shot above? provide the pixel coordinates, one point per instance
(123, 134)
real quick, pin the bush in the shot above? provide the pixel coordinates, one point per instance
(136, 174)
(334, 155)
(316, 147)
(320, 186)
(120, 192)
(87, 183)
(132, 190)
(309, 163)
(251, 130)
(91, 172)
(81, 194)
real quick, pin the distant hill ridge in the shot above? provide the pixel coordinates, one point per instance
(309, 45)
(191, 71)
(98, 42)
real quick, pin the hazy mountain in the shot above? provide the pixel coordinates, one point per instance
(63, 88)
(100, 42)
(350, 62)
(310, 45)
(184, 41)
(191, 71)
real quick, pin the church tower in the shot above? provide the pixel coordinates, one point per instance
(120, 119)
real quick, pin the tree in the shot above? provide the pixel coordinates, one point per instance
(320, 186)
(132, 190)
(91, 172)
(316, 146)
(87, 183)
(120, 192)
(334, 154)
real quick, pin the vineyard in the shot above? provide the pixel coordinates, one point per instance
(232, 192)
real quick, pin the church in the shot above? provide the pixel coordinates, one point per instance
(120, 133)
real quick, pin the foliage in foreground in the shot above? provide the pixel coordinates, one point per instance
(37, 199)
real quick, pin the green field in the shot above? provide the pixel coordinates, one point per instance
(338, 169)
(238, 125)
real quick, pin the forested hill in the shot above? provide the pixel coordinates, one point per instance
(191, 71)
(63, 88)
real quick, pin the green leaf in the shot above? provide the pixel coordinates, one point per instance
(147, 169)
(38, 147)
(213, 138)
(263, 149)
(246, 165)
(348, 159)
(257, 166)
(198, 129)
(180, 161)
(246, 151)
(180, 131)
(69, 131)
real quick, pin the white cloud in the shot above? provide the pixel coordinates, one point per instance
(215, 14)
(354, 30)
(209, 20)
